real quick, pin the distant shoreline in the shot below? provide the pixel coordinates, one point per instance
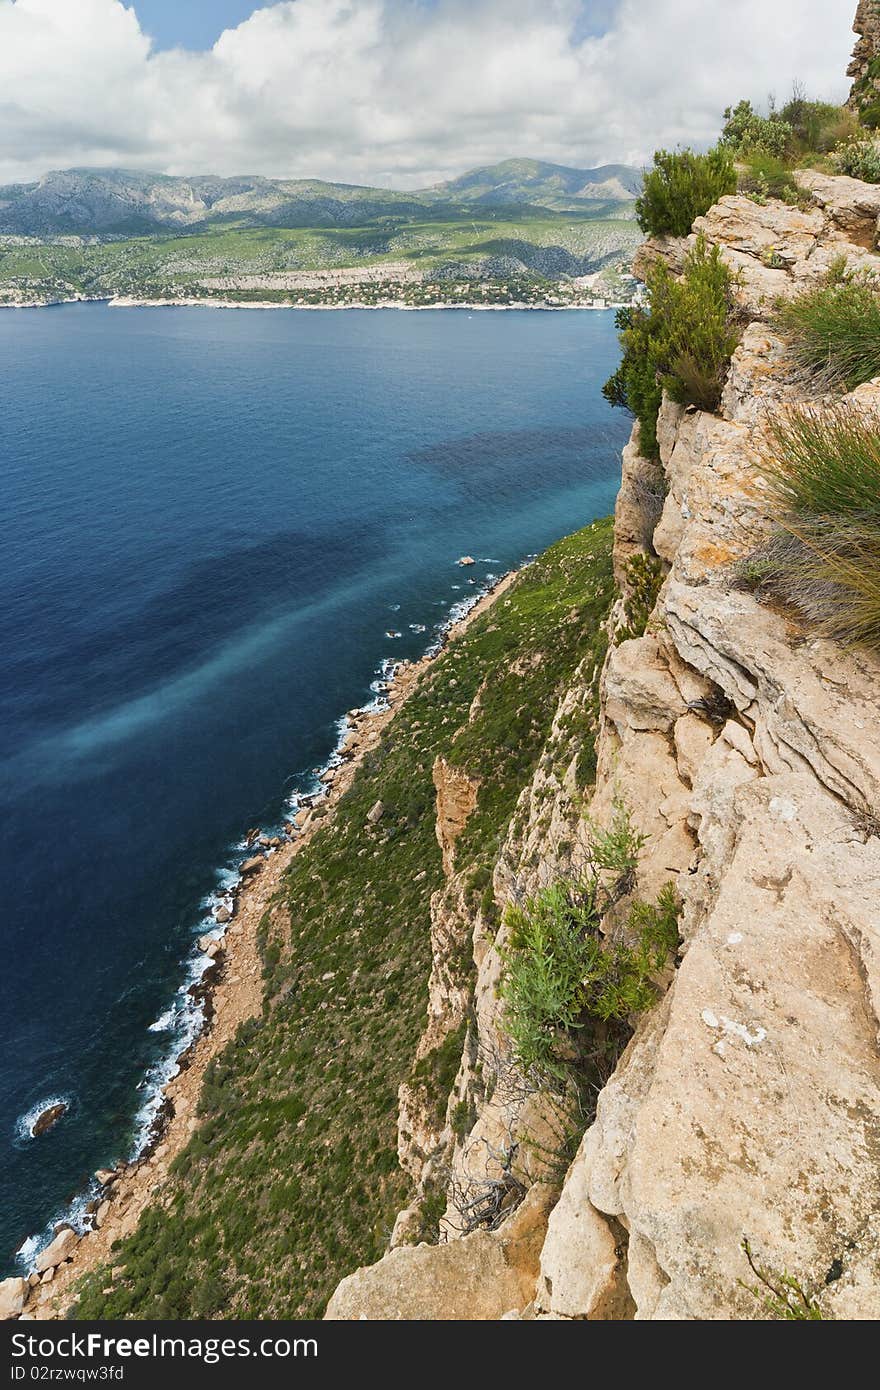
(127, 302)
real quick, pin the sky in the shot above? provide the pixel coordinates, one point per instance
(401, 93)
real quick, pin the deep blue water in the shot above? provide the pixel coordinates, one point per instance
(208, 520)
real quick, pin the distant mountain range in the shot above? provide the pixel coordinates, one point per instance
(122, 202)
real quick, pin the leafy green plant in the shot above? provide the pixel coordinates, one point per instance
(746, 131)
(643, 579)
(682, 343)
(833, 331)
(860, 158)
(781, 1295)
(766, 176)
(824, 470)
(802, 132)
(563, 977)
(817, 126)
(681, 187)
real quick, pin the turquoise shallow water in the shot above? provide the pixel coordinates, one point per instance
(211, 520)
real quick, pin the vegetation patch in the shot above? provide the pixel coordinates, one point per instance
(681, 187)
(291, 1180)
(824, 469)
(682, 343)
(801, 133)
(833, 330)
(643, 580)
(570, 991)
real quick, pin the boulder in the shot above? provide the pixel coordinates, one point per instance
(61, 1249)
(583, 1266)
(463, 1281)
(223, 915)
(106, 1175)
(49, 1118)
(252, 866)
(375, 814)
(13, 1293)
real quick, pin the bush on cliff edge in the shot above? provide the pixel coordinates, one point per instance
(681, 344)
(681, 187)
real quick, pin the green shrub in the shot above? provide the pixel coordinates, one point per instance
(562, 977)
(782, 1296)
(682, 343)
(833, 331)
(746, 131)
(824, 471)
(817, 126)
(644, 575)
(765, 176)
(860, 158)
(681, 187)
(870, 115)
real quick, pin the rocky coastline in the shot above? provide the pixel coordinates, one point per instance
(230, 991)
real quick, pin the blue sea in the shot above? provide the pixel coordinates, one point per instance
(210, 522)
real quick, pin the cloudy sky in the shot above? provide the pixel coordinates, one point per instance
(397, 92)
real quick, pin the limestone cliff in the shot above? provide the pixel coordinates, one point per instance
(746, 1104)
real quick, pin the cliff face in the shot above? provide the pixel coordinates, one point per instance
(747, 1103)
(865, 66)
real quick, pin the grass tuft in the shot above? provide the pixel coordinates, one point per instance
(833, 331)
(824, 471)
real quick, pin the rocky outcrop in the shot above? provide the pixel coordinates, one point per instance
(60, 1249)
(865, 66)
(13, 1295)
(456, 799)
(775, 250)
(485, 1275)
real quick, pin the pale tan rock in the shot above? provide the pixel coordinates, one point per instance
(693, 739)
(640, 693)
(456, 799)
(851, 204)
(13, 1296)
(638, 506)
(463, 1281)
(583, 1262)
(769, 1123)
(61, 1249)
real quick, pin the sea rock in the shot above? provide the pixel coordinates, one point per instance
(49, 1118)
(223, 915)
(61, 1249)
(467, 560)
(13, 1293)
(105, 1176)
(252, 866)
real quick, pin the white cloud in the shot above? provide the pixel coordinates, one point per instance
(398, 91)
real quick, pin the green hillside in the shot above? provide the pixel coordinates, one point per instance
(292, 1179)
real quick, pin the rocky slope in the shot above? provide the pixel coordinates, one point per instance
(747, 1103)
